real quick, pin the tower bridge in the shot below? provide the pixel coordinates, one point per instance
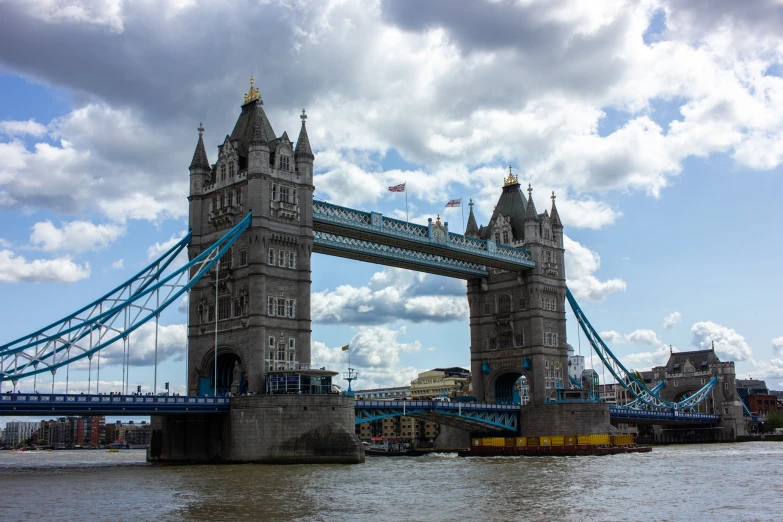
(253, 228)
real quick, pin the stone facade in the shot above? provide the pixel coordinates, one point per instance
(687, 372)
(517, 320)
(263, 302)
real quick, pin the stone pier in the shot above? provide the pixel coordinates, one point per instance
(275, 429)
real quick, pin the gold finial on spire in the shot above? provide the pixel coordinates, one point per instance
(511, 179)
(437, 221)
(252, 94)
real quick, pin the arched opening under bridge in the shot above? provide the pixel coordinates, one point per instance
(512, 388)
(705, 406)
(228, 370)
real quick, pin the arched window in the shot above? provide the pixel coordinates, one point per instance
(231, 169)
(223, 172)
(504, 304)
(497, 237)
(505, 237)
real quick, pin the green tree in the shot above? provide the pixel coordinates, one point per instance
(774, 420)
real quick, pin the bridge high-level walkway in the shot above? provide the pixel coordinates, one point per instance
(370, 236)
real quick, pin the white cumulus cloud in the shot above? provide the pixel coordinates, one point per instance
(671, 319)
(729, 344)
(15, 268)
(74, 237)
(581, 264)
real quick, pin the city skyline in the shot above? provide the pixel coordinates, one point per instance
(656, 129)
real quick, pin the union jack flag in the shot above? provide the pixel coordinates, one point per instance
(397, 188)
(454, 203)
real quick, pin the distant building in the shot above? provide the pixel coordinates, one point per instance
(685, 373)
(748, 387)
(613, 393)
(138, 434)
(589, 379)
(576, 365)
(439, 382)
(19, 431)
(762, 404)
(381, 394)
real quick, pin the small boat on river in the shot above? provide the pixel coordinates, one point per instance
(388, 447)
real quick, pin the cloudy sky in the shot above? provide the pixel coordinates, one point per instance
(658, 125)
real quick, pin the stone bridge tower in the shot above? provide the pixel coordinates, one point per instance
(517, 320)
(262, 311)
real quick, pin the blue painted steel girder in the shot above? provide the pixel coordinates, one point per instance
(375, 228)
(123, 405)
(478, 416)
(380, 253)
(660, 416)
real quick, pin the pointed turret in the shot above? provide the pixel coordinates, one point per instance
(530, 212)
(303, 152)
(511, 205)
(200, 155)
(532, 222)
(199, 167)
(554, 216)
(472, 229)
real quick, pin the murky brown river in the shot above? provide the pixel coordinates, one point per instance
(698, 482)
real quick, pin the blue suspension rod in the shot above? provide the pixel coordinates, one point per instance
(206, 260)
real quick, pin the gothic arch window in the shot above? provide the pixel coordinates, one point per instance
(505, 237)
(497, 237)
(504, 304)
(201, 313)
(239, 197)
(223, 172)
(284, 162)
(231, 169)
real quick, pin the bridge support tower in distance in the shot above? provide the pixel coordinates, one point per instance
(519, 352)
(685, 373)
(258, 298)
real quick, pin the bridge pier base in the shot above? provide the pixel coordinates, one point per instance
(541, 420)
(275, 429)
(452, 438)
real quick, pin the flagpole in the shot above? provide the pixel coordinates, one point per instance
(463, 215)
(405, 186)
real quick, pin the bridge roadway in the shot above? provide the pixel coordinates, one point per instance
(464, 415)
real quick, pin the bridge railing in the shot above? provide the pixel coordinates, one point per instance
(62, 399)
(376, 222)
(443, 405)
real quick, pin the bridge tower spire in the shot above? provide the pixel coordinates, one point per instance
(263, 298)
(517, 320)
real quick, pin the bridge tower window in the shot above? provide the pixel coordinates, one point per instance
(505, 237)
(284, 163)
(281, 255)
(270, 306)
(281, 307)
(504, 304)
(223, 172)
(291, 260)
(231, 169)
(271, 256)
(274, 192)
(239, 197)
(243, 257)
(284, 194)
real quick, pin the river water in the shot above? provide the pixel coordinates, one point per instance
(694, 482)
